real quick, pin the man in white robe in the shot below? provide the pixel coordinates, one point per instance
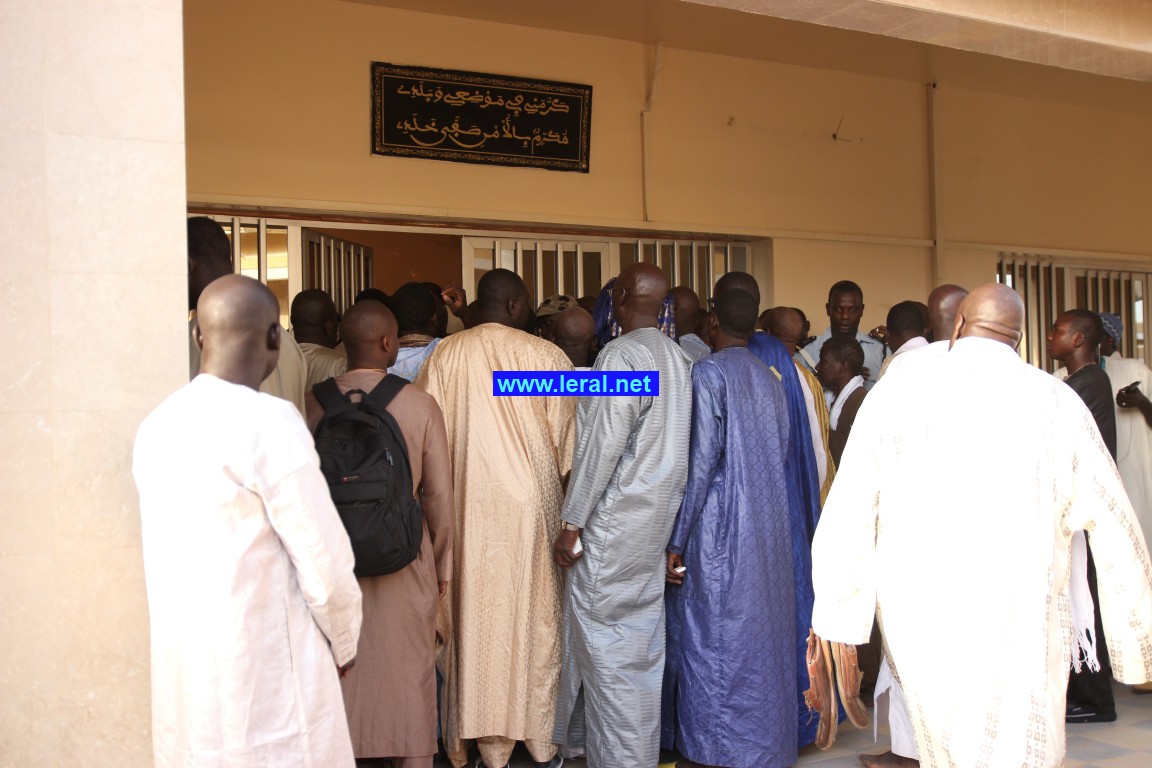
(1131, 381)
(253, 605)
(971, 584)
(943, 304)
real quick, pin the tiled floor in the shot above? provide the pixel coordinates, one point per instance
(1126, 743)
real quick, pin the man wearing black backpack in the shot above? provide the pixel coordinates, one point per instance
(391, 697)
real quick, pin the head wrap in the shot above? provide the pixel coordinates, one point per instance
(1112, 326)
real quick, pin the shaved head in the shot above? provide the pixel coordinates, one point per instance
(502, 297)
(312, 308)
(943, 303)
(574, 331)
(992, 311)
(786, 324)
(573, 323)
(738, 281)
(499, 286)
(238, 329)
(638, 296)
(366, 328)
(685, 299)
(646, 282)
(685, 303)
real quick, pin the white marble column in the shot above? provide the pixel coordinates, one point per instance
(92, 323)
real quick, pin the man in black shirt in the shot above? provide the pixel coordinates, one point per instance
(1075, 340)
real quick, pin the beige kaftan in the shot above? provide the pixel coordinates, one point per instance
(322, 362)
(390, 695)
(251, 598)
(501, 663)
(952, 513)
(818, 408)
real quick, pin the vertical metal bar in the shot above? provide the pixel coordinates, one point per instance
(325, 245)
(539, 274)
(262, 250)
(236, 245)
(727, 258)
(579, 270)
(707, 268)
(1041, 294)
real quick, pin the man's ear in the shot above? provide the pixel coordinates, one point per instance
(198, 338)
(957, 329)
(273, 340)
(512, 306)
(828, 309)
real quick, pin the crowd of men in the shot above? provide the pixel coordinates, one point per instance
(608, 577)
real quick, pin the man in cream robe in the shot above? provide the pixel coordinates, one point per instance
(252, 601)
(980, 569)
(510, 455)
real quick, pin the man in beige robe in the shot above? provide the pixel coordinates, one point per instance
(252, 603)
(210, 258)
(391, 695)
(316, 329)
(969, 571)
(510, 456)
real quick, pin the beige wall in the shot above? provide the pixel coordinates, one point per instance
(732, 145)
(92, 297)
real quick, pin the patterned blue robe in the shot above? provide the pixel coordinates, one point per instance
(804, 501)
(730, 685)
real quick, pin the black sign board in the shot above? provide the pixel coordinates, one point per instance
(469, 117)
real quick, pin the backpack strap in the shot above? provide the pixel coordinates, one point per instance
(386, 390)
(329, 396)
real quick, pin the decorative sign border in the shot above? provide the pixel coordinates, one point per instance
(470, 117)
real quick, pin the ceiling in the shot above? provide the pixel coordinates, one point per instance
(1067, 50)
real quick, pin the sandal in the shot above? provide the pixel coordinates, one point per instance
(821, 694)
(848, 683)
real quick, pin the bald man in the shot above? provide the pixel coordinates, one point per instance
(628, 475)
(686, 305)
(209, 259)
(897, 536)
(252, 603)
(398, 642)
(510, 457)
(316, 328)
(574, 331)
(786, 325)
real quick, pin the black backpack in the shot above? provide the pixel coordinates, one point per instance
(365, 461)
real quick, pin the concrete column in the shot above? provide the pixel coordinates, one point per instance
(92, 336)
